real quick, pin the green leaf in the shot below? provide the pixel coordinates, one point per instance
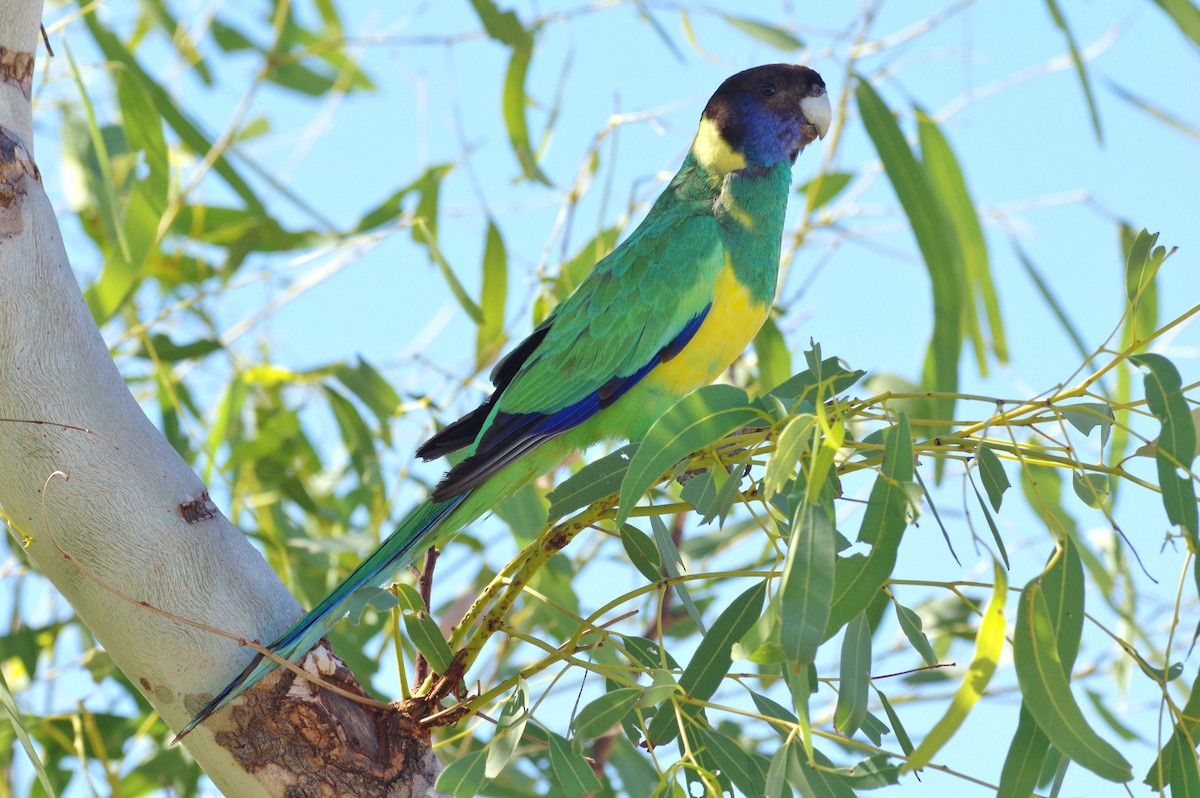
(464, 777)
(821, 470)
(426, 187)
(1091, 488)
(712, 660)
(1063, 586)
(991, 472)
(1185, 15)
(989, 644)
(369, 385)
(1142, 262)
(1053, 303)
(991, 522)
(148, 196)
(648, 653)
(1178, 756)
(897, 727)
(859, 577)
(771, 352)
(709, 665)
(936, 239)
(807, 586)
(595, 719)
(1156, 111)
(946, 176)
(595, 481)
(1026, 755)
(766, 33)
(1047, 691)
(1086, 416)
(1185, 770)
(1160, 676)
(871, 773)
(1080, 68)
(509, 729)
(571, 273)
(694, 422)
(792, 443)
(1176, 442)
(503, 26)
(641, 552)
(525, 513)
(514, 103)
(828, 380)
(9, 709)
(357, 437)
(777, 772)
(824, 187)
(672, 561)
(743, 770)
(911, 625)
(493, 295)
(572, 772)
(811, 782)
(426, 636)
(168, 109)
(1121, 730)
(771, 709)
(408, 599)
(855, 674)
(168, 351)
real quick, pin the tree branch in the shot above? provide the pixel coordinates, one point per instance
(129, 535)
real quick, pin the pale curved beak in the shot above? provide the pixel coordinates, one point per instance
(818, 112)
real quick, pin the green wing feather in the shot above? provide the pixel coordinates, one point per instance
(632, 304)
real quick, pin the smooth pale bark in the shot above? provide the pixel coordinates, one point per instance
(124, 529)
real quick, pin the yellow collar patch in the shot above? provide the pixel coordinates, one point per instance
(713, 153)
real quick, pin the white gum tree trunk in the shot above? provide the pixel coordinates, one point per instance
(125, 530)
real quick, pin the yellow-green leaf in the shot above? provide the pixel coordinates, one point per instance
(514, 103)
(989, 643)
(493, 295)
(792, 443)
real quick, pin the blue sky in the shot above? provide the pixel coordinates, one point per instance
(1020, 128)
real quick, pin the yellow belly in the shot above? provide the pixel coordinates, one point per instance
(732, 322)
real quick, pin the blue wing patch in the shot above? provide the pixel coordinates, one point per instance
(513, 435)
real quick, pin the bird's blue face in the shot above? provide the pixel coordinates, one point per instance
(764, 116)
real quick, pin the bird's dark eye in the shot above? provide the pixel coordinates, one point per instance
(766, 88)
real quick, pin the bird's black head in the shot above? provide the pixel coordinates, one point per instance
(762, 117)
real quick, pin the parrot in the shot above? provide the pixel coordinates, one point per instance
(666, 312)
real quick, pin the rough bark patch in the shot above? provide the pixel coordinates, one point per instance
(16, 164)
(198, 509)
(16, 69)
(327, 745)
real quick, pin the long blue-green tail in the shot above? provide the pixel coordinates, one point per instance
(398, 550)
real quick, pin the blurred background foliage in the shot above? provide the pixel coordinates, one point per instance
(308, 230)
